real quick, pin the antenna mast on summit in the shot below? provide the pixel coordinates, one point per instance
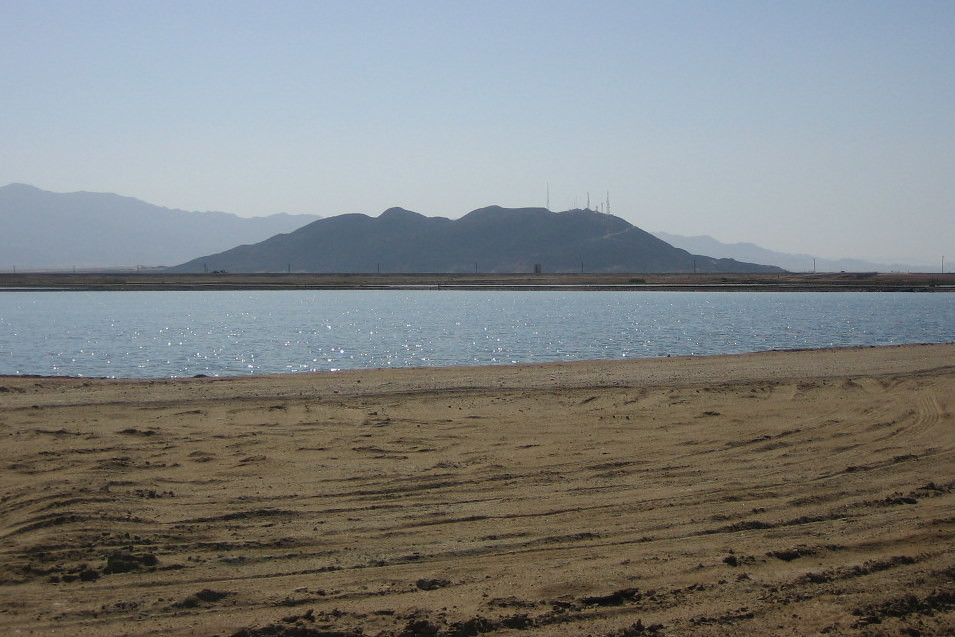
(548, 196)
(608, 202)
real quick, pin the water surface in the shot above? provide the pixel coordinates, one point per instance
(169, 334)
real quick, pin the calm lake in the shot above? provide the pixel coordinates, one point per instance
(174, 334)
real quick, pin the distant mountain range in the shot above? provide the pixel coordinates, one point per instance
(791, 262)
(491, 239)
(42, 229)
(47, 230)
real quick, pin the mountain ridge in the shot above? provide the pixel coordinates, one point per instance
(793, 262)
(40, 234)
(488, 239)
(44, 229)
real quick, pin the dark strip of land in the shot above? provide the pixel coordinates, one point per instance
(826, 282)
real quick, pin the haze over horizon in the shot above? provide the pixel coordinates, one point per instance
(811, 127)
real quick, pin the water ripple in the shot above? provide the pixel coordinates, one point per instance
(170, 334)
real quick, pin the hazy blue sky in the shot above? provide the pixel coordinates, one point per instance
(821, 127)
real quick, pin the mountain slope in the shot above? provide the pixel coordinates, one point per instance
(491, 239)
(57, 230)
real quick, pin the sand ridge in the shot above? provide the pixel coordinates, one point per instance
(784, 493)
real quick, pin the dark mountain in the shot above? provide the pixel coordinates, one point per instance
(492, 239)
(791, 262)
(60, 230)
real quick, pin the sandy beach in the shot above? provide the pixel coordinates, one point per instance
(780, 493)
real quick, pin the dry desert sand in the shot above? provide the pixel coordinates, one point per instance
(781, 493)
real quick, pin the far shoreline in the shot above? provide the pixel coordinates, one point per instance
(155, 281)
